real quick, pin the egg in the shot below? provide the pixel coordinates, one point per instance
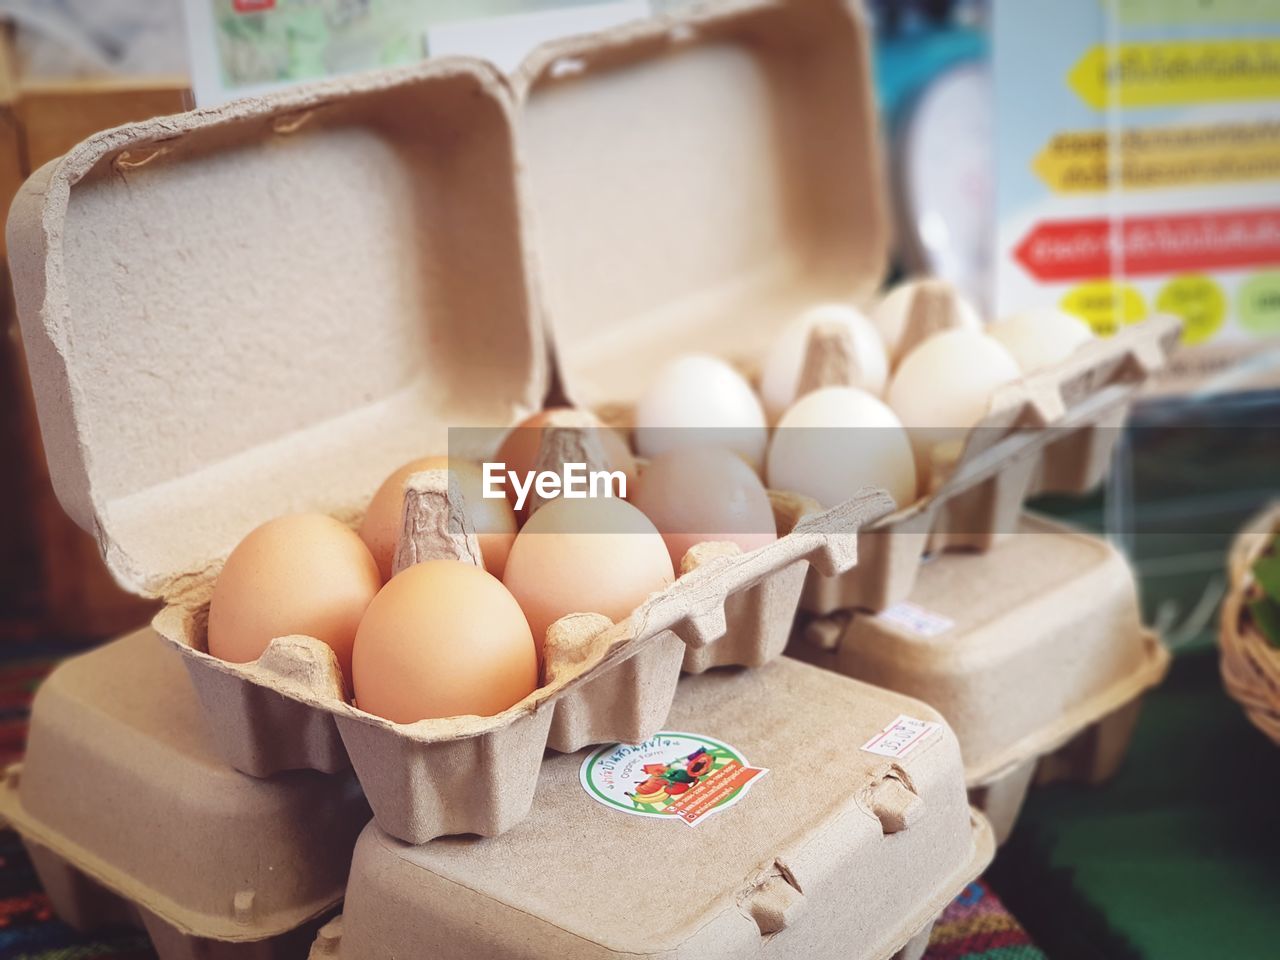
(892, 315)
(519, 449)
(693, 496)
(1041, 338)
(700, 401)
(494, 520)
(780, 377)
(836, 441)
(443, 638)
(303, 574)
(944, 387)
(595, 555)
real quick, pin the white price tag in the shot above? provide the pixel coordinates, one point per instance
(917, 620)
(900, 737)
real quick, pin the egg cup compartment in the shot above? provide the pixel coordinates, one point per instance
(852, 860)
(1034, 652)
(478, 774)
(1051, 432)
(121, 797)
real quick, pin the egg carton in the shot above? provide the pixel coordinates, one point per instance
(727, 217)
(477, 775)
(121, 793)
(1051, 432)
(269, 305)
(1034, 652)
(170, 479)
(836, 852)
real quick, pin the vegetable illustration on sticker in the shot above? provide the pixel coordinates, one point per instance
(684, 776)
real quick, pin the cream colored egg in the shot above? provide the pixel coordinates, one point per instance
(891, 314)
(944, 387)
(700, 401)
(780, 377)
(1041, 338)
(836, 441)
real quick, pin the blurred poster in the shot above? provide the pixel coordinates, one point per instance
(1138, 171)
(245, 47)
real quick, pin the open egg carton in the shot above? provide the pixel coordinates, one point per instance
(1052, 432)
(121, 795)
(1034, 652)
(744, 185)
(264, 307)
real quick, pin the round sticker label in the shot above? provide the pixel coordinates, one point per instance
(683, 776)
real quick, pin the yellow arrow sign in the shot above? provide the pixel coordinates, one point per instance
(1178, 72)
(1156, 157)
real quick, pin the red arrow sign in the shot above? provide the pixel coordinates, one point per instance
(1085, 249)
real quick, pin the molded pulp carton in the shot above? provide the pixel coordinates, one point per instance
(698, 179)
(131, 817)
(265, 307)
(836, 852)
(1034, 652)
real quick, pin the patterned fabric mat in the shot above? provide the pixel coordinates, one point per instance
(975, 927)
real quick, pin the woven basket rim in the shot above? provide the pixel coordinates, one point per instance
(1250, 666)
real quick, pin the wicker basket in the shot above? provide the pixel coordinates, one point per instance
(1250, 665)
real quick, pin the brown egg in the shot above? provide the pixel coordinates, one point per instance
(585, 556)
(300, 574)
(443, 639)
(519, 451)
(698, 494)
(494, 519)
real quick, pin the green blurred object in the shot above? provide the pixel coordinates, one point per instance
(1179, 855)
(1176, 857)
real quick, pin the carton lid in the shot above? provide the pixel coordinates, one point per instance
(696, 180)
(122, 781)
(837, 850)
(266, 306)
(1019, 647)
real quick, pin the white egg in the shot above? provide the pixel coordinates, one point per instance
(699, 401)
(838, 440)
(891, 314)
(944, 386)
(1040, 338)
(780, 379)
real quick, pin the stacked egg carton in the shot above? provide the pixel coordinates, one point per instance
(1034, 651)
(131, 817)
(185, 399)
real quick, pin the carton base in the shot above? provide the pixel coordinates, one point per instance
(86, 905)
(1091, 757)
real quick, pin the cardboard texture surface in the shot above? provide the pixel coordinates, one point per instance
(752, 126)
(836, 852)
(131, 816)
(178, 416)
(1034, 645)
(265, 307)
